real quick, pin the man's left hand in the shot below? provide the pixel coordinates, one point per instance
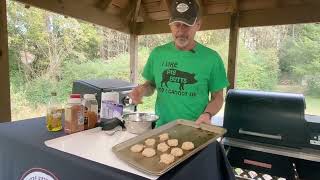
(204, 118)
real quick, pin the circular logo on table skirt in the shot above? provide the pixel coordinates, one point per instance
(38, 174)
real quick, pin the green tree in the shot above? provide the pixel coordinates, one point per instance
(258, 70)
(300, 57)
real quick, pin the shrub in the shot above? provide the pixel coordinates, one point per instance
(313, 87)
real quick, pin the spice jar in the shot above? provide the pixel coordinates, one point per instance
(90, 111)
(74, 121)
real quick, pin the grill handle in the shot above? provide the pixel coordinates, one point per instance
(251, 133)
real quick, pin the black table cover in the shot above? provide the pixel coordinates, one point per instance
(22, 148)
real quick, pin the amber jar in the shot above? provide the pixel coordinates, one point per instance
(74, 121)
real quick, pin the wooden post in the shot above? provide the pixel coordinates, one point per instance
(134, 58)
(134, 43)
(233, 48)
(5, 107)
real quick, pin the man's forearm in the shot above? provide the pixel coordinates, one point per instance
(148, 88)
(215, 103)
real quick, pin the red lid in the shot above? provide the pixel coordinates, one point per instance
(75, 96)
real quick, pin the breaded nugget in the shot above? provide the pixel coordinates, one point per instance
(187, 146)
(163, 147)
(177, 152)
(148, 152)
(150, 142)
(173, 142)
(166, 158)
(137, 148)
(164, 137)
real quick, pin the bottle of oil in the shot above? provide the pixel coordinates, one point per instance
(54, 114)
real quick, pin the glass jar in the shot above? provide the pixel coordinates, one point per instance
(74, 121)
(90, 111)
(54, 114)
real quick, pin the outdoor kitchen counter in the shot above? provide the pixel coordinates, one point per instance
(22, 148)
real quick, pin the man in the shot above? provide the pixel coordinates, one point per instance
(183, 72)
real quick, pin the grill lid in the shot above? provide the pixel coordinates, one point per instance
(267, 117)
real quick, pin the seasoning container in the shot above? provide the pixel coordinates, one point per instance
(74, 121)
(54, 114)
(90, 113)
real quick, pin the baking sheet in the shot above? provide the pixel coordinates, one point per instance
(182, 130)
(96, 145)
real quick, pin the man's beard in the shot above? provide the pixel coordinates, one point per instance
(181, 41)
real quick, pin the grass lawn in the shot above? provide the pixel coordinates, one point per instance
(313, 105)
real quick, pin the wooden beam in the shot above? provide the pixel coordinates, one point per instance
(133, 21)
(134, 43)
(82, 11)
(133, 58)
(166, 4)
(159, 15)
(203, 7)
(121, 3)
(280, 16)
(154, 6)
(235, 7)
(142, 15)
(127, 13)
(5, 107)
(103, 4)
(217, 21)
(218, 8)
(246, 5)
(233, 46)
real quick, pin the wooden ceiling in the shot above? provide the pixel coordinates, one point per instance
(151, 16)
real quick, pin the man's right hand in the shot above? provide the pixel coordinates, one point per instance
(136, 94)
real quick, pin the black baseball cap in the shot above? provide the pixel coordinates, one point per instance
(184, 11)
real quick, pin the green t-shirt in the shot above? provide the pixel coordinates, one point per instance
(183, 80)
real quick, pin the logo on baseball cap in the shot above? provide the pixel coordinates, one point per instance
(184, 11)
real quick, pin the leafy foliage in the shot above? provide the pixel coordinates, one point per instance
(300, 57)
(47, 52)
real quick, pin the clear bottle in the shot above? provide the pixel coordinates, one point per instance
(74, 121)
(90, 111)
(54, 114)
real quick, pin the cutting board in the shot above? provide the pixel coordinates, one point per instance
(96, 145)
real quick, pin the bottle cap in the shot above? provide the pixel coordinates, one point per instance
(74, 101)
(75, 96)
(89, 96)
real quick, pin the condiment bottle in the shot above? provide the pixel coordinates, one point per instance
(90, 111)
(54, 114)
(74, 121)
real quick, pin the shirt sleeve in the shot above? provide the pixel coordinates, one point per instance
(148, 73)
(218, 79)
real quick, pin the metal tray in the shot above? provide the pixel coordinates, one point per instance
(183, 130)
